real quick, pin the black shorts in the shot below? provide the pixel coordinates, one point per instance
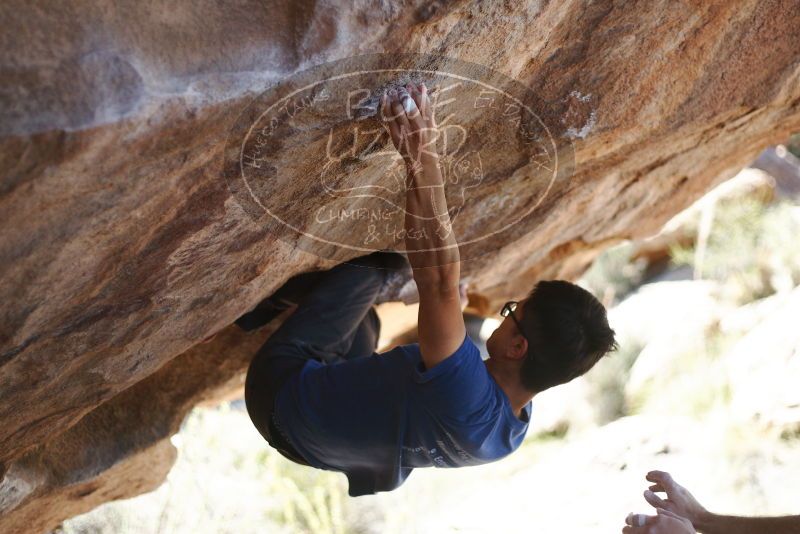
(341, 301)
(265, 377)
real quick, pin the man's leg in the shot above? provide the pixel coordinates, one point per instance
(326, 321)
(334, 321)
(365, 340)
(290, 293)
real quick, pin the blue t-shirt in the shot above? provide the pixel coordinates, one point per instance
(378, 417)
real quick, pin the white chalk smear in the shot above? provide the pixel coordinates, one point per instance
(580, 97)
(574, 133)
(636, 520)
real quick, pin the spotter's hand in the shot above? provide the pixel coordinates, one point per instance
(678, 499)
(664, 522)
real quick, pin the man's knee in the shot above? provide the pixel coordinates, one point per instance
(376, 326)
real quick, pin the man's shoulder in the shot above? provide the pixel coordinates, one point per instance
(465, 358)
(406, 354)
(413, 348)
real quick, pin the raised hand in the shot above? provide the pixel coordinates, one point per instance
(680, 513)
(678, 499)
(408, 114)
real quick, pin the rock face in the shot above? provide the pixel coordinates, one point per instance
(123, 245)
(122, 447)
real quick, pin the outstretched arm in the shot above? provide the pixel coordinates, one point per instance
(724, 524)
(681, 503)
(430, 242)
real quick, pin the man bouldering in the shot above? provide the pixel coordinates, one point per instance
(320, 394)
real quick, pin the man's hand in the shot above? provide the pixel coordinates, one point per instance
(665, 522)
(409, 117)
(679, 501)
(430, 240)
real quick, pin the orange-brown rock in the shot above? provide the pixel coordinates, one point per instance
(122, 447)
(123, 245)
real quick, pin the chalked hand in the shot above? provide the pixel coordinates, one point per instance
(665, 522)
(408, 115)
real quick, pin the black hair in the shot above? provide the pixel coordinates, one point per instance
(567, 331)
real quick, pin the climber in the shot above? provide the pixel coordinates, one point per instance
(319, 393)
(681, 513)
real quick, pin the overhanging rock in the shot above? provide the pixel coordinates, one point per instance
(123, 245)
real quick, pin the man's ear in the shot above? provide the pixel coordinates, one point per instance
(519, 348)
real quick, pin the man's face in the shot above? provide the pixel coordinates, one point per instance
(506, 338)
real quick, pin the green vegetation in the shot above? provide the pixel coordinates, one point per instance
(313, 500)
(694, 382)
(752, 249)
(607, 381)
(227, 481)
(794, 144)
(613, 274)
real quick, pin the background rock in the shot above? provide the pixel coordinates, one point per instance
(764, 367)
(667, 319)
(122, 247)
(122, 448)
(683, 228)
(784, 167)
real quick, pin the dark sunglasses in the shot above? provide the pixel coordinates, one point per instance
(508, 310)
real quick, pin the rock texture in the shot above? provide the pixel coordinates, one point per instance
(682, 230)
(122, 245)
(122, 447)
